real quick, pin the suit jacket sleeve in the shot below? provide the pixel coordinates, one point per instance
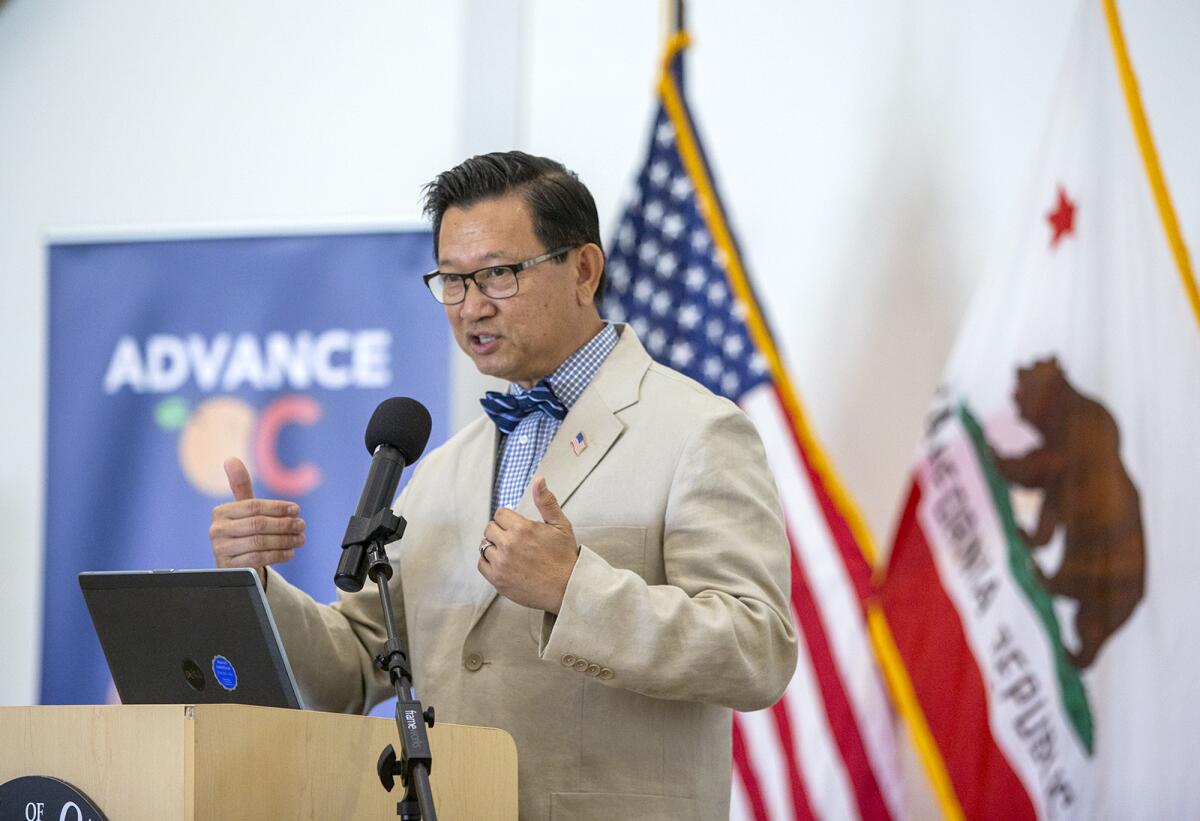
(720, 630)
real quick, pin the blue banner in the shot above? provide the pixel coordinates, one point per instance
(166, 357)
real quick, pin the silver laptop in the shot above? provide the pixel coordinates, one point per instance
(190, 637)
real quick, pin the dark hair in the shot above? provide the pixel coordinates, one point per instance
(564, 212)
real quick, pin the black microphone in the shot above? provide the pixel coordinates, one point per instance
(396, 437)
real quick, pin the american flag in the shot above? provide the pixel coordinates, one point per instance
(826, 749)
(578, 443)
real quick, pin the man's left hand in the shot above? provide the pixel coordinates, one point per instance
(531, 562)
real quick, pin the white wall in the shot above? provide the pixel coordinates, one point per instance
(871, 155)
(135, 114)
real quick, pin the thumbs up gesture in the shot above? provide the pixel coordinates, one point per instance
(530, 562)
(250, 532)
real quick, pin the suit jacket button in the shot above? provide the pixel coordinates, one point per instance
(606, 674)
(473, 662)
(581, 665)
(592, 669)
(568, 660)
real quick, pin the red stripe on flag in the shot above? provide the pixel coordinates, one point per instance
(853, 559)
(946, 678)
(744, 768)
(842, 721)
(783, 726)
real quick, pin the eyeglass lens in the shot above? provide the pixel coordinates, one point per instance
(494, 282)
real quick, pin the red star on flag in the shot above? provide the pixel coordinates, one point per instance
(1062, 218)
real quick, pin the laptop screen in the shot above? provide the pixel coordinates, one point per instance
(189, 637)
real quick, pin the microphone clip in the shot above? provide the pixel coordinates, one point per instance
(362, 549)
(385, 526)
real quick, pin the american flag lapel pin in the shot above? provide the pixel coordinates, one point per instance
(579, 443)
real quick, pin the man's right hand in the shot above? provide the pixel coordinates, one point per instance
(250, 532)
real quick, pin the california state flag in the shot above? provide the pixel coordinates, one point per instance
(1039, 626)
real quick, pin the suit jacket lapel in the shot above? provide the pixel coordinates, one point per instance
(563, 469)
(476, 469)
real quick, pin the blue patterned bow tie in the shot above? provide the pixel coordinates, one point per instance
(507, 410)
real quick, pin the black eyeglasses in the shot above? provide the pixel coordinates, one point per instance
(495, 281)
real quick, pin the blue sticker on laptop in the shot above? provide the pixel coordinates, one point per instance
(224, 673)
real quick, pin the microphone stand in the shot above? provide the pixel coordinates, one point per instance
(416, 757)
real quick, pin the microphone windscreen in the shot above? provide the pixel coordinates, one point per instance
(402, 423)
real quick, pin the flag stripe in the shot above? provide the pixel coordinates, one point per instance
(830, 612)
(783, 727)
(931, 642)
(739, 802)
(760, 729)
(857, 569)
(1145, 141)
(744, 768)
(841, 718)
(826, 781)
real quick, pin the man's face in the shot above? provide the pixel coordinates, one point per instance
(524, 337)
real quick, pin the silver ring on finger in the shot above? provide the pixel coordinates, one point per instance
(483, 546)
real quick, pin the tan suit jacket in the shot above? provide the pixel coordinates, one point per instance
(677, 609)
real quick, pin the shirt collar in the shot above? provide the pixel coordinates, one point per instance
(573, 376)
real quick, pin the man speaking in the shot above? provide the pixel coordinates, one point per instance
(597, 564)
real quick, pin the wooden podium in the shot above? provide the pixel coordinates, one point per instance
(200, 762)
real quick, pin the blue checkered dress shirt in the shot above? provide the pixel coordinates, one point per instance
(521, 452)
